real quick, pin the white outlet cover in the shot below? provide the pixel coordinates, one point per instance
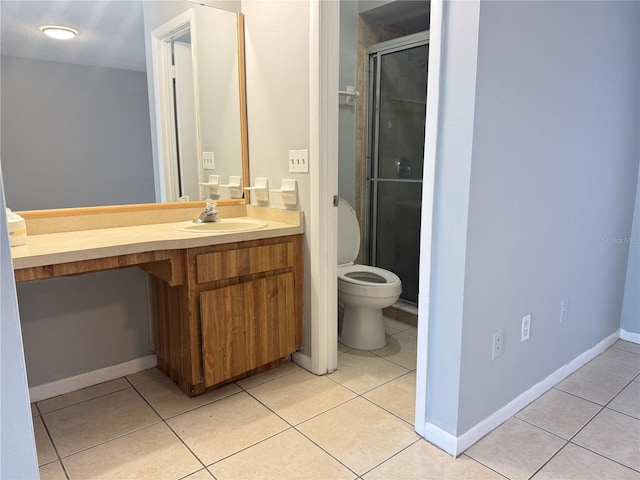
(298, 161)
(526, 328)
(208, 160)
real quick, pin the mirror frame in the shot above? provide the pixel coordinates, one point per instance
(167, 164)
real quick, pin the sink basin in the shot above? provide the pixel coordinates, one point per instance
(224, 225)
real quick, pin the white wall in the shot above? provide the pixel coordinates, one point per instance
(17, 446)
(277, 61)
(538, 162)
(219, 115)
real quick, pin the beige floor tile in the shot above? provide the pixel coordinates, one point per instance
(362, 371)
(82, 395)
(288, 455)
(145, 376)
(44, 447)
(423, 460)
(559, 413)
(614, 435)
(397, 397)
(342, 348)
(393, 326)
(401, 348)
(359, 434)
(52, 471)
(627, 346)
(259, 378)
(301, 395)
(201, 475)
(225, 427)
(34, 410)
(573, 463)
(413, 331)
(619, 362)
(593, 385)
(502, 450)
(95, 421)
(628, 401)
(151, 453)
(168, 400)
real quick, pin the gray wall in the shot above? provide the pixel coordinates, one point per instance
(74, 135)
(96, 152)
(347, 113)
(631, 305)
(553, 163)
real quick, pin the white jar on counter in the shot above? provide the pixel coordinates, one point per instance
(17, 229)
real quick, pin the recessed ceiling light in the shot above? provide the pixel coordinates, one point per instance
(58, 32)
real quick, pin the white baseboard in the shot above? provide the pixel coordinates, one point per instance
(629, 336)
(66, 385)
(456, 445)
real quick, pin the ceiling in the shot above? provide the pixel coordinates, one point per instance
(111, 32)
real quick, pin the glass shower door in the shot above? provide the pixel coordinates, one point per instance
(398, 86)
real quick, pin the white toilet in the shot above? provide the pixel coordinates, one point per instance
(363, 290)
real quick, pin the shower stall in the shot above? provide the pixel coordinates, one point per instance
(395, 154)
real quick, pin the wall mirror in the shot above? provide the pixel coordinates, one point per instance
(79, 124)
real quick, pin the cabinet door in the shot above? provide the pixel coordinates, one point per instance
(247, 325)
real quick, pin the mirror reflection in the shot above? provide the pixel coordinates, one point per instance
(78, 117)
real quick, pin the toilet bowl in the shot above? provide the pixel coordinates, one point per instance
(363, 290)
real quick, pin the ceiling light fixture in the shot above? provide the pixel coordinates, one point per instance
(58, 32)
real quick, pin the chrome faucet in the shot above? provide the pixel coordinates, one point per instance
(210, 214)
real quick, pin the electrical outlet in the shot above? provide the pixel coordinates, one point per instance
(564, 310)
(298, 161)
(208, 160)
(526, 328)
(498, 344)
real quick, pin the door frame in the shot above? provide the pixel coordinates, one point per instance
(324, 28)
(167, 162)
(322, 235)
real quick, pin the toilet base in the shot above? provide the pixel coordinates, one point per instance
(363, 328)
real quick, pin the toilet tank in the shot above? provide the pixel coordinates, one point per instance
(348, 233)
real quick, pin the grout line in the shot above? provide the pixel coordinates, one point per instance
(549, 460)
(328, 453)
(81, 401)
(169, 427)
(463, 454)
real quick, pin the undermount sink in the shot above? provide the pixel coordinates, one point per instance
(223, 225)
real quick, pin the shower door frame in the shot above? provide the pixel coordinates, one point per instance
(374, 56)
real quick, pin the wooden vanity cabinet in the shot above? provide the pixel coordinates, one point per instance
(238, 310)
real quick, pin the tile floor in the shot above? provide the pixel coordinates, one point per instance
(354, 423)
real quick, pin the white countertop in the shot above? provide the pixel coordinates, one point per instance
(72, 246)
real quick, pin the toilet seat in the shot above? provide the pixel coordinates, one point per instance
(367, 280)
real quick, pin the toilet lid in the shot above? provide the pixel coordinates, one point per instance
(348, 233)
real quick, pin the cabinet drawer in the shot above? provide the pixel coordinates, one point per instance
(244, 261)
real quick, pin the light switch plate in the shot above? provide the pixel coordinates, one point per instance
(298, 161)
(208, 160)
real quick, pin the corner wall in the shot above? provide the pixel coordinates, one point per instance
(554, 173)
(526, 209)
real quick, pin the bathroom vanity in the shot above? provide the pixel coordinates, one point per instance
(224, 304)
